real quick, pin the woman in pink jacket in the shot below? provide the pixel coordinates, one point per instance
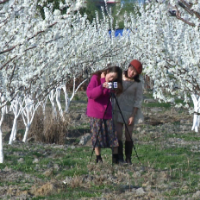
(99, 110)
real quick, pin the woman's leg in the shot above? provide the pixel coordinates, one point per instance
(111, 139)
(97, 151)
(95, 127)
(129, 132)
(128, 143)
(98, 154)
(119, 129)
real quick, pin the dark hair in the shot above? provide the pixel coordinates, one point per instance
(135, 78)
(108, 70)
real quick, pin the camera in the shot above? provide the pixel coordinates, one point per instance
(112, 85)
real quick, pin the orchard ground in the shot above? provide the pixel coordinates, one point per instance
(167, 168)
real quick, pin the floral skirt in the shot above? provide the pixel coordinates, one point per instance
(103, 133)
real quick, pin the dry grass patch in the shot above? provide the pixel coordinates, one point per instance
(45, 189)
(48, 129)
(76, 181)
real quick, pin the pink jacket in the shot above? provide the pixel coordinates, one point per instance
(98, 99)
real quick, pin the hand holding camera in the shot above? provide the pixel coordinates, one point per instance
(110, 85)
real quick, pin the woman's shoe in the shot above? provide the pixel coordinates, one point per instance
(115, 159)
(128, 151)
(99, 159)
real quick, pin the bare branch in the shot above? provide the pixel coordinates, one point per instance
(50, 26)
(178, 16)
(11, 48)
(8, 62)
(186, 4)
(4, 1)
(196, 14)
(7, 50)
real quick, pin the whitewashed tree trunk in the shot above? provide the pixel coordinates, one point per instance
(44, 103)
(15, 104)
(3, 112)
(58, 90)
(196, 119)
(14, 130)
(28, 113)
(1, 146)
(74, 91)
(67, 99)
(51, 98)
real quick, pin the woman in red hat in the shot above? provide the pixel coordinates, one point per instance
(129, 103)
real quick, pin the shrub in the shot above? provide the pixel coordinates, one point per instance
(48, 129)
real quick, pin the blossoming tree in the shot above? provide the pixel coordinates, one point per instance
(39, 55)
(165, 36)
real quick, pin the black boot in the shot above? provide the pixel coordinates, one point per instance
(128, 151)
(120, 152)
(115, 159)
(99, 159)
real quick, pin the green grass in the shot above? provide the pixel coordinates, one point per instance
(80, 96)
(77, 108)
(157, 104)
(186, 137)
(179, 163)
(148, 95)
(181, 101)
(164, 158)
(157, 156)
(71, 193)
(190, 136)
(165, 104)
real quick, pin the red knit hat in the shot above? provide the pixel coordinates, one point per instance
(137, 65)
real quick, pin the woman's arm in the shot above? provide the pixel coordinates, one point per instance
(138, 96)
(131, 118)
(95, 88)
(137, 104)
(134, 112)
